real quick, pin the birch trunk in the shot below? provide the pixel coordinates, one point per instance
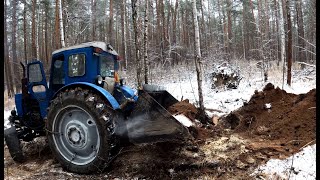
(197, 58)
(124, 39)
(56, 39)
(61, 25)
(145, 45)
(137, 50)
(281, 32)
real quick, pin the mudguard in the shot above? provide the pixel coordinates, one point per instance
(113, 102)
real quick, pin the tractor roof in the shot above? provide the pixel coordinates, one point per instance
(104, 46)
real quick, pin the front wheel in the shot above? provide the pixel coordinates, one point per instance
(80, 131)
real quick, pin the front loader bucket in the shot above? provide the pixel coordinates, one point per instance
(151, 122)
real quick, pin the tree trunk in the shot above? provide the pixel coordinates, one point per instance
(163, 21)
(278, 31)
(34, 45)
(220, 24)
(25, 37)
(289, 43)
(123, 30)
(174, 23)
(57, 37)
(229, 9)
(225, 32)
(46, 35)
(197, 55)
(61, 25)
(14, 47)
(110, 31)
(137, 50)
(282, 33)
(159, 28)
(145, 45)
(8, 69)
(301, 43)
(93, 14)
(267, 31)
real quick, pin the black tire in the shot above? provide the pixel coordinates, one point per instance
(13, 143)
(73, 140)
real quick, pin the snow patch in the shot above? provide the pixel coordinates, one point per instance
(7, 124)
(268, 105)
(183, 120)
(301, 165)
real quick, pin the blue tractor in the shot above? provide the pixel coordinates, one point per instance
(85, 110)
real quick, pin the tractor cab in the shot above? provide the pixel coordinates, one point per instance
(92, 62)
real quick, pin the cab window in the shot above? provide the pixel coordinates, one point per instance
(106, 66)
(76, 64)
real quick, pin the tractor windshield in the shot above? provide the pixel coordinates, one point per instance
(107, 65)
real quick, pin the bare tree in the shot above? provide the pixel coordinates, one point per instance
(110, 30)
(289, 59)
(145, 44)
(14, 46)
(7, 65)
(282, 35)
(229, 9)
(301, 41)
(34, 45)
(123, 30)
(57, 42)
(25, 38)
(93, 9)
(197, 57)
(137, 51)
(61, 25)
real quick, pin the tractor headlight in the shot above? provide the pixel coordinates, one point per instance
(99, 80)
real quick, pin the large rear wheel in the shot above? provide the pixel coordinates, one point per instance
(81, 131)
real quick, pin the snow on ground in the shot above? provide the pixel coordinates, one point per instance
(6, 121)
(301, 165)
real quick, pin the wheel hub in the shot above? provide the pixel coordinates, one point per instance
(74, 135)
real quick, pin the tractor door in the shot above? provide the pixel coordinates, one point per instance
(37, 86)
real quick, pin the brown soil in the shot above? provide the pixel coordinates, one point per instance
(185, 108)
(232, 149)
(287, 126)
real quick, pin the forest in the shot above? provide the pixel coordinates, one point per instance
(160, 31)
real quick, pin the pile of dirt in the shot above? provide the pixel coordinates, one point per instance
(274, 118)
(203, 127)
(185, 108)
